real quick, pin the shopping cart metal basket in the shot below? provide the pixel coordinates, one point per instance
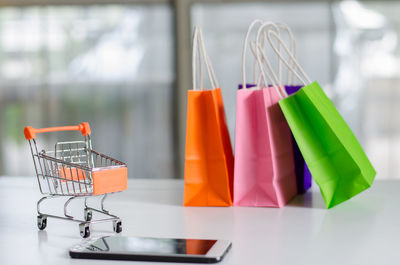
(73, 169)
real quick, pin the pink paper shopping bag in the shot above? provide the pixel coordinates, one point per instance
(264, 173)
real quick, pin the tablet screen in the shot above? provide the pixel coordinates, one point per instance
(151, 245)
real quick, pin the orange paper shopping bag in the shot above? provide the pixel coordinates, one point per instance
(208, 155)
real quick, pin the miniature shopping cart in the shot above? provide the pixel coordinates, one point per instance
(75, 170)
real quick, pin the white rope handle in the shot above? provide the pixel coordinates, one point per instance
(198, 40)
(292, 49)
(264, 72)
(199, 47)
(253, 49)
(246, 39)
(257, 79)
(289, 77)
(210, 68)
(275, 81)
(264, 76)
(196, 48)
(261, 43)
(306, 79)
(257, 75)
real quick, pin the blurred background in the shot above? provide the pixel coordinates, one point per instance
(125, 66)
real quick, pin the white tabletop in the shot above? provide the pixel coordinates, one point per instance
(364, 230)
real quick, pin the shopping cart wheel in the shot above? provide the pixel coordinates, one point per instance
(41, 222)
(117, 225)
(88, 215)
(84, 230)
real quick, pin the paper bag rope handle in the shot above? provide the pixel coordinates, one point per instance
(276, 26)
(259, 43)
(199, 47)
(306, 80)
(246, 40)
(292, 39)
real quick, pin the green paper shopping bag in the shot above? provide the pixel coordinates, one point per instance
(333, 154)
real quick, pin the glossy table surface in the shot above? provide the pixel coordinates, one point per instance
(364, 230)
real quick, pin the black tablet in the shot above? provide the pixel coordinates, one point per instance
(151, 249)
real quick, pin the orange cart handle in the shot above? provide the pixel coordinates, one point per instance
(30, 133)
